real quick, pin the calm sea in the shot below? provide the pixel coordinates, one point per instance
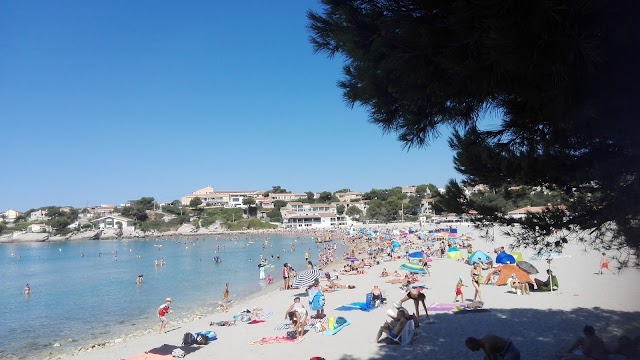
(86, 290)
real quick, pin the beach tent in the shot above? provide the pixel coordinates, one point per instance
(505, 272)
(517, 255)
(454, 254)
(504, 258)
(478, 255)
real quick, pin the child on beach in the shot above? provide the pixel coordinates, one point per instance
(162, 311)
(269, 279)
(459, 286)
(604, 263)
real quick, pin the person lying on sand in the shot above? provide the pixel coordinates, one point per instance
(384, 273)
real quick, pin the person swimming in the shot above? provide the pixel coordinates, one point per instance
(27, 290)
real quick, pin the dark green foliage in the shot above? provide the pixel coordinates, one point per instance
(195, 202)
(340, 209)
(559, 76)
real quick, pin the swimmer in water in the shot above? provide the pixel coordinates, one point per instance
(27, 290)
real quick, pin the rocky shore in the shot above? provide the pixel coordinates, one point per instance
(111, 234)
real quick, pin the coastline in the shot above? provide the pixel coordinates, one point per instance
(540, 324)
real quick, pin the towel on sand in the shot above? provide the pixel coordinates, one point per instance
(276, 339)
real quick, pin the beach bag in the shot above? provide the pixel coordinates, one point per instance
(340, 321)
(201, 339)
(188, 339)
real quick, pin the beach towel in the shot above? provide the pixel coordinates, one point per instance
(276, 339)
(309, 326)
(347, 308)
(163, 352)
(255, 321)
(145, 356)
(337, 328)
(470, 311)
(362, 306)
(441, 307)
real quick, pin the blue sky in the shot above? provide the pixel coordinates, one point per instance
(102, 102)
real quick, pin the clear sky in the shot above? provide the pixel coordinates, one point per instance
(107, 101)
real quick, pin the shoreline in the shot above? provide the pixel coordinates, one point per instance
(194, 315)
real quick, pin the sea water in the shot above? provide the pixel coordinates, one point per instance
(84, 292)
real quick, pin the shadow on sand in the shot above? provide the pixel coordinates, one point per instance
(539, 334)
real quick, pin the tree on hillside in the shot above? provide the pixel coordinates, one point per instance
(195, 202)
(559, 76)
(353, 212)
(310, 195)
(340, 209)
(249, 201)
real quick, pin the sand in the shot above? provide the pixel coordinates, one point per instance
(539, 324)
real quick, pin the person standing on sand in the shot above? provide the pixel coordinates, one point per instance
(162, 311)
(285, 275)
(476, 279)
(604, 263)
(459, 286)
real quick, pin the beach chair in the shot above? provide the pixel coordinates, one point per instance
(406, 335)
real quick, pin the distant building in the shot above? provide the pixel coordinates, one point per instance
(349, 196)
(227, 198)
(302, 215)
(38, 215)
(523, 212)
(112, 221)
(10, 215)
(38, 228)
(409, 190)
(287, 196)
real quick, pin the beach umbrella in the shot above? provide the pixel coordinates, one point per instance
(414, 268)
(549, 255)
(504, 258)
(527, 267)
(306, 278)
(416, 255)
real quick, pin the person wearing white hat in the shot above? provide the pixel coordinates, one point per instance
(162, 311)
(394, 327)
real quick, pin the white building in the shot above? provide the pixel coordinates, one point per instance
(113, 221)
(301, 215)
(10, 215)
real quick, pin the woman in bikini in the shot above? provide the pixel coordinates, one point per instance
(476, 278)
(417, 297)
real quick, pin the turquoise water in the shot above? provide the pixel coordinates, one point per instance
(86, 290)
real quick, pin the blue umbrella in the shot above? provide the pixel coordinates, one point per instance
(416, 255)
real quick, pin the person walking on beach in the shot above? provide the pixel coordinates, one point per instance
(604, 263)
(285, 276)
(459, 286)
(163, 310)
(476, 279)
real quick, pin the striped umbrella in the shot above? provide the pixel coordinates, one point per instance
(306, 278)
(414, 268)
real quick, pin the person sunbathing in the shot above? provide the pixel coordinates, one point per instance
(384, 273)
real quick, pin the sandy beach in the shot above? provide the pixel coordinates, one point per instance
(539, 324)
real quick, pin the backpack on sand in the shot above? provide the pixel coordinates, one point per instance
(188, 339)
(201, 339)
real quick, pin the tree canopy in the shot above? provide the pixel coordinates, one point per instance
(558, 77)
